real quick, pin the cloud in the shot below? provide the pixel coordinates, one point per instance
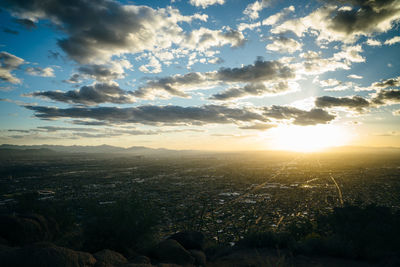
(341, 87)
(90, 95)
(258, 126)
(350, 54)
(203, 39)
(392, 82)
(104, 73)
(177, 115)
(254, 75)
(152, 115)
(10, 31)
(391, 133)
(354, 18)
(154, 66)
(75, 78)
(354, 76)
(273, 19)
(356, 103)
(27, 23)
(314, 64)
(206, 3)
(393, 40)
(284, 45)
(8, 63)
(335, 85)
(254, 8)
(329, 82)
(97, 30)
(386, 97)
(373, 42)
(38, 71)
(299, 117)
(244, 26)
(256, 89)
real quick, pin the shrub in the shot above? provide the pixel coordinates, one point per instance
(124, 225)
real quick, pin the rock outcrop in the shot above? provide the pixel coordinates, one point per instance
(44, 255)
(170, 251)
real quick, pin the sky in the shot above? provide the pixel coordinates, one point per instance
(200, 74)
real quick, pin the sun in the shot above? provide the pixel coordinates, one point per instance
(308, 138)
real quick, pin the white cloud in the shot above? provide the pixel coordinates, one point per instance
(332, 23)
(284, 45)
(350, 53)
(273, 19)
(154, 66)
(38, 71)
(373, 42)
(203, 39)
(206, 3)
(329, 82)
(340, 87)
(251, 26)
(393, 40)
(354, 76)
(253, 9)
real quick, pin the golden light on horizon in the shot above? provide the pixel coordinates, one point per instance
(309, 138)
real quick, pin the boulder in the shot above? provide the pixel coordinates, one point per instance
(3, 241)
(137, 265)
(190, 239)
(200, 258)
(141, 259)
(168, 265)
(108, 257)
(45, 255)
(170, 251)
(22, 229)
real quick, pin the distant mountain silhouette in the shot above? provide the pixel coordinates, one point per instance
(141, 150)
(42, 149)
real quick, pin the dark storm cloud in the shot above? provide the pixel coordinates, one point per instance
(300, 117)
(253, 75)
(10, 31)
(313, 117)
(346, 22)
(172, 84)
(27, 23)
(92, 25)
(234, 37)
(392, 82)
(90, 123)
(383, 97)
(99, 29)
(259, 71)
(253, 89)
(99, 72)
(152, 114)
(365, 17)
(177, 115)
(355, 102)
(358, 103)
(8, 63)
(258, 126)
(89, 95)
(75, 78)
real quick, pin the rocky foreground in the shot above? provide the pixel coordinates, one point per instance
(24, 241)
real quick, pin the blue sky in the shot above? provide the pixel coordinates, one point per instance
(200, 74)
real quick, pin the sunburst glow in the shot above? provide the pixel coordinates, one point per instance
(309, 138)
